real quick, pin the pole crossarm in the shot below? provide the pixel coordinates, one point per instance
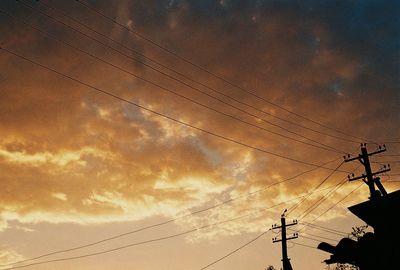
(369, 176)
(363, 176)
(294, 236)
(360, 156)
(287, 225)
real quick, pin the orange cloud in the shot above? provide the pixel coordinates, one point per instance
(68, 154)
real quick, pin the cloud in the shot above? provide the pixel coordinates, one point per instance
(69, 154)
(8, 255)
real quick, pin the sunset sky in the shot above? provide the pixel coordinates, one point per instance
(190, 119)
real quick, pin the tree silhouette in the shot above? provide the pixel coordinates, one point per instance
(357, 234)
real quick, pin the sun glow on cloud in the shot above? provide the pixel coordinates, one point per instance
(69, 156)
(8, 255)
(61, 159)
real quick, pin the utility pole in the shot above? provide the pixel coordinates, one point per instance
(285, 260)
(369, 176)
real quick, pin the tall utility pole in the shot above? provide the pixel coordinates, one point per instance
(285, 260)
(369, 176)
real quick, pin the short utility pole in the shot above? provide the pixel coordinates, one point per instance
(285, 260)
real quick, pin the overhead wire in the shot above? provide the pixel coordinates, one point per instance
(118, 248)
(39, 64)
(168, 237)
(150, 59)
(318, 236)
(235, 250)
(322, 199)
(311, 238)
(317, 203)
(311, 224)
(385, 161)
(335, 204)
(320, 145)
(173, 219)
(142, 242)
(323, 228)
(97, 89)
(291, 209)
(313, 235)
(178, 56)
(304, 245)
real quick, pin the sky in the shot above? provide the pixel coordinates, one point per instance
(200, 121)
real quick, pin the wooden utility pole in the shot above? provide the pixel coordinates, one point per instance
(285, 259)
(369, 176)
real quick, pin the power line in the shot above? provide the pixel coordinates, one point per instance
(250, 242)
(122, 247)
(257, 210)
(311, 238)
(318, 236)
(304, 245)
(168, 238)
(235, 250)
(315, 205)
(386, 161)
(345, 197)
(97, 89)
(327, 210)
(101, 252)
(89, 7)
(322, 199)
(188, 78)
(142, 242)
(176, 218)
(291, 209)
(323, 228)
(324, 146)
